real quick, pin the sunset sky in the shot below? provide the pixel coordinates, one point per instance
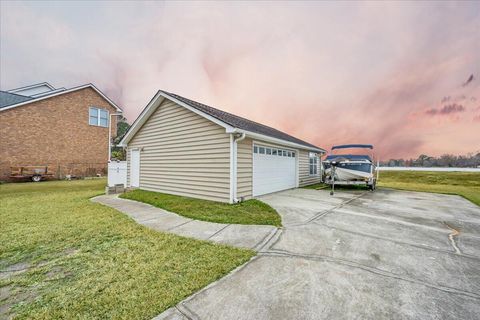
(396, 75)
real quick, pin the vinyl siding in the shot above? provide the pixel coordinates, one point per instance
(183, 154)
(305, 178)
(244, 168)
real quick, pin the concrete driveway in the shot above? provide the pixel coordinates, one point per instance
(365, 255)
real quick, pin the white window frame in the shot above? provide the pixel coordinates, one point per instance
(98, 111)
(312, 164)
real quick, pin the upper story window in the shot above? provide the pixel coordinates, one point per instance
(313, 164)
(98, 117)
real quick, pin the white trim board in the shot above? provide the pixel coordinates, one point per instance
(48, 96)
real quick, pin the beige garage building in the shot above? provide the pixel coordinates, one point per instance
(183, 147)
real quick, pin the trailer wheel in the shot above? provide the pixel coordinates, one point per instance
(371, 186)
(36, 178)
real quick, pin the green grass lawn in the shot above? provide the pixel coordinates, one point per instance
(465, 184)
(247, 212)
(62, 256)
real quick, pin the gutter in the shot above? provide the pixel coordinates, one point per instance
(233, 165)
(278, 141)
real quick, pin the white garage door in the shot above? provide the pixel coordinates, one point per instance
(274, 169)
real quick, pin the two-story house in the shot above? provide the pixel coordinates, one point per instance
(64, 129)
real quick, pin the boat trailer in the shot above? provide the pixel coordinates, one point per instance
(371, 183)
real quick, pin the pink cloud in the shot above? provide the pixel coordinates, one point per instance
(328, 73)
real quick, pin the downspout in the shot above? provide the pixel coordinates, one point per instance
(236, 139)
(321, 167)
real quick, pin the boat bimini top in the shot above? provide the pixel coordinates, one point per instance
(348, 157)
(346, 146)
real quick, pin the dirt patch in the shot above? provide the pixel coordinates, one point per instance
(11, 295)
(5, 293)
(66, 252)
(70, 251)
(21, 266)
(14, 269)
(57, 273)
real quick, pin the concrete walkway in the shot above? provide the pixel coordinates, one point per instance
(245, 236)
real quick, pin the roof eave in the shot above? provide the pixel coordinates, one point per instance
(152, 105)
(141, 119)
(278, 141)
(64, 92)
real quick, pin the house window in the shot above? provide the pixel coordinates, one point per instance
(255, 149)
(261, 150)
(313, 163)
(98, 117)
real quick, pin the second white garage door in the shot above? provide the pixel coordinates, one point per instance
(274, 169)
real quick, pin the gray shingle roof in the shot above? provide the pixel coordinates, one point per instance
(7, 99)
(239, 122)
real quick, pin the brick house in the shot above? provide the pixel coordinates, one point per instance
(64, 129)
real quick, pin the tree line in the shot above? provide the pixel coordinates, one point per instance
(471, 160)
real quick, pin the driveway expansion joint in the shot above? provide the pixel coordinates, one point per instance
(323, 213)
(416, 245)
(145, 220)
(380, 272)
(213, 235)
(265, 241)
(179, 225)
(187, 313)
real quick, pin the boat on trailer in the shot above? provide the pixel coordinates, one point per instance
(347, 168)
